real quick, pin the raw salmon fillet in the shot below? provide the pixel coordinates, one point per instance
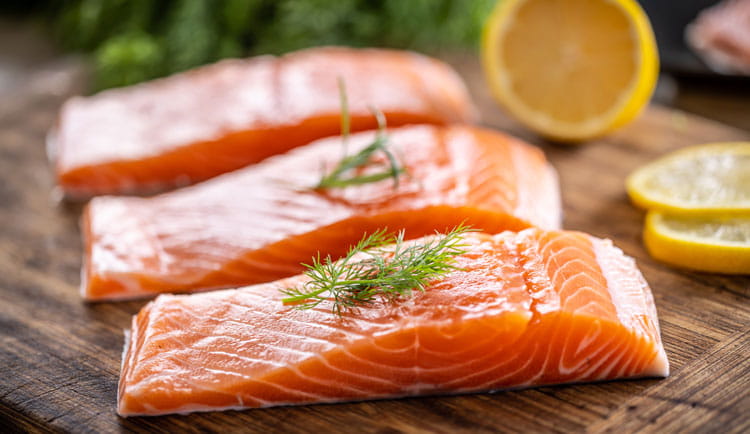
(195, 125)
(524, 309)
(259, 223)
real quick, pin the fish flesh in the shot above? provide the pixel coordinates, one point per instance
(198, 124)
(258, 224)
(720, 35)
(522, 309)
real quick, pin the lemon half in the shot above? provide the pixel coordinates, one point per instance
(570, 70)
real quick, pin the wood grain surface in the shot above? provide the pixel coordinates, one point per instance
(60, 357)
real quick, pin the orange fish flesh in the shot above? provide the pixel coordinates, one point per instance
(259, 223)
(198, 124)
(523, 309)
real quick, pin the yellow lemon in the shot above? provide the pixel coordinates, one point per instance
(720, 245)
(570, 70)
(711, 179)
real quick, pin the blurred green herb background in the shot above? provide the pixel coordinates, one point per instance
(136, 40)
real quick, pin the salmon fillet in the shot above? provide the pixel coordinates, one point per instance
(523, 309)
(720, 35)
(259, 223)
(195, 125)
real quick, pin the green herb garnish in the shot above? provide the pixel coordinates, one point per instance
(378, 266)
(341, 175)
(134, 40)
(345, 121)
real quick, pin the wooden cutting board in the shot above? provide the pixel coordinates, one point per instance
(60, 357)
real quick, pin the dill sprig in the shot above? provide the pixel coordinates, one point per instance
(345, 121)
(379, 266)
(340, 176)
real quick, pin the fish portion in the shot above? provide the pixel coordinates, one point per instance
(258, 224)
(523, 309)
(720, 35)
(195, 125)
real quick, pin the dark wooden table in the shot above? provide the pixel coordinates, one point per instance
(60, 357)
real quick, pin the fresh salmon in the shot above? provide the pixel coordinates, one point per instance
(259, 223)
(523, 309)
(198, 124)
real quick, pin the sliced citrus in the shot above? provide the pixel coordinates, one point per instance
(709, 179)
(570, 69)
(720, 245)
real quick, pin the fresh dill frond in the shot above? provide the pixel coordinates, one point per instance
(379, 266)
(340, 176)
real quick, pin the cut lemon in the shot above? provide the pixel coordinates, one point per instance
(709, 179)
(720, 245)
(570, 69)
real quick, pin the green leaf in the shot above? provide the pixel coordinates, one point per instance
(127, 59)
(191, 36)
(188, 33)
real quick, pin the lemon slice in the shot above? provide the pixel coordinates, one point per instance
(720, 245)
(709, 179)
(570, 69)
